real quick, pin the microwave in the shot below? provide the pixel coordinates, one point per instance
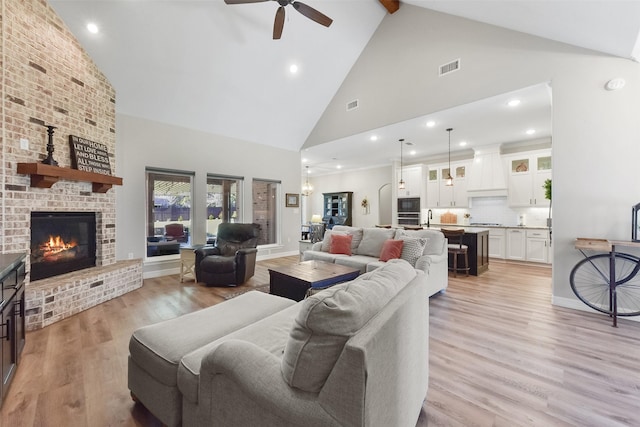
(409, 204)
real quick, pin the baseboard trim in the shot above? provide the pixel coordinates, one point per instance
(579, 305)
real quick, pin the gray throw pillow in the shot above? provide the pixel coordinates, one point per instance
(412, 249)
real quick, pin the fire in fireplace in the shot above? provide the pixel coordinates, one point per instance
(62, 242)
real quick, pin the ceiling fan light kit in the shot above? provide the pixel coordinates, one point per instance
(278, 23)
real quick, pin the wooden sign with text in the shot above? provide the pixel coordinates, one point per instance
(89, 156)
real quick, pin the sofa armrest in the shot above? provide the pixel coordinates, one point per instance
(426, 261)
(206, 251)
(241, 382)
(317, 246)
(202, 253)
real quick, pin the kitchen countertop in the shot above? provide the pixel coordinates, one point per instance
(467, 228)
(528, 227)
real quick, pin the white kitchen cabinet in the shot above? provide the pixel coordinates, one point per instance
(412, 176)
(433, 188)
(516, 244)
(441, 195)
(538, 246)
(497, 244)
(527, 174)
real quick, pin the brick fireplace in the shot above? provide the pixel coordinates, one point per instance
(49, 80)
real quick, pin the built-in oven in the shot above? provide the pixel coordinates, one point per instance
(409, 211)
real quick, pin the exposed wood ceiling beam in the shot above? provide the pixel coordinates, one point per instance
(391, 5)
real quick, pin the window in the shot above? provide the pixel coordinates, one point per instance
(169, 215)
(265, 209)
(223, 202)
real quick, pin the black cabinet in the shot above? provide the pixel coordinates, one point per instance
(12, 319)
(338, 209)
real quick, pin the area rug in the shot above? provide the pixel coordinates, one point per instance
(240, 291)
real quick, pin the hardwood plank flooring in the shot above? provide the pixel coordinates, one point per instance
(500, 355)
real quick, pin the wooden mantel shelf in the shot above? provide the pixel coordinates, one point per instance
(44, 176)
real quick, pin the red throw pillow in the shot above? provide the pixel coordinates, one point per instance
(341, 244)
(391, 249)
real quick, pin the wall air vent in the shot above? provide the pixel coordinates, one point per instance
(450, 67)
(353, 105)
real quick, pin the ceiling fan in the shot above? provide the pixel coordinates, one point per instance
(278, 24)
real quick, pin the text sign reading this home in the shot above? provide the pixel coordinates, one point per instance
(89, 156)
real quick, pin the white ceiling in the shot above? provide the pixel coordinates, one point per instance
(213, 67)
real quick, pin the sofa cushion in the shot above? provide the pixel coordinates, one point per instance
(412, 249)
(391, 249)
(435, 242)
(329, 318)
(321, 256)
(158, 348)
(372, 241)
(326, 241)
(356, 232)
(270, 333)
(355, 261)
(341, 244)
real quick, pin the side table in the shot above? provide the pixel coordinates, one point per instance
(188, 261)
(305, 245)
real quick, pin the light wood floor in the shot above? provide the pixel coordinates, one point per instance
(500, 355)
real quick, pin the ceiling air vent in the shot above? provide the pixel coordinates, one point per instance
(352, 105)
(450, 67)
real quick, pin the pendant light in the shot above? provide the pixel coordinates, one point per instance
(449, 179)
(401, 183)
(307, 188)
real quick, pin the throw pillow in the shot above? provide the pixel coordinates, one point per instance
(341, 244)
(391, 249)
(412, 249)
(326, 242)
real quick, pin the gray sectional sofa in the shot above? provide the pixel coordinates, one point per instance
(355, 354)
(366, 246)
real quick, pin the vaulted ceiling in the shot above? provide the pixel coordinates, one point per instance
(214, 67)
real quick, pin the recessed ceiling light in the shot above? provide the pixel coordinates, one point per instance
(530, 131)
(339, 167)
(412, 152)
(431, 124)
(92, 28)
(293, 69)
(305, 160)
(513, 103)
(374, 137)
(463, 143)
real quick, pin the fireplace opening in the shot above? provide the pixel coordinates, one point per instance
(62, 242)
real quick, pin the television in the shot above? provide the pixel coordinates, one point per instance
(635, 223)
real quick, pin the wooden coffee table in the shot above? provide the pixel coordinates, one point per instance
(292, 281)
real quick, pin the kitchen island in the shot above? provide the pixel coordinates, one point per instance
(477, 240)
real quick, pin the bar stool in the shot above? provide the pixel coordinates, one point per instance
(456, 248)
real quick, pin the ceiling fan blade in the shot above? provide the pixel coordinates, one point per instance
(312, 14)
(278, 23)
(243, 1)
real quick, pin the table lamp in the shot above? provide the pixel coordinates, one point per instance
(316, 219)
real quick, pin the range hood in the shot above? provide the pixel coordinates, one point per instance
(487, 177)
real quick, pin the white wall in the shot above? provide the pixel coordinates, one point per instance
(595, 132)
(141, 143)
(363, 183)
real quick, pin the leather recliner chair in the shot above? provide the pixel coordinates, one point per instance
(232, 261)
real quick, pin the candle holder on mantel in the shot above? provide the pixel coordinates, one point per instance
(50, 149)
